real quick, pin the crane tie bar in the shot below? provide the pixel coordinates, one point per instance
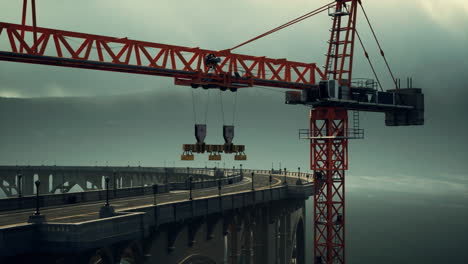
(290, 23)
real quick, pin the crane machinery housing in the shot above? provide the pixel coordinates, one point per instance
(330, 92)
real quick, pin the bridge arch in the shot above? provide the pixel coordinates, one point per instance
(131, 253)
(298, 246)
(100, 256)
(8, 187)
(197, 259)
(3, 192)
(66, 187)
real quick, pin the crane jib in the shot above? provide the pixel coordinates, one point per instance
(220, 69)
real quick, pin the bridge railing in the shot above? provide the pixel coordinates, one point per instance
(47, 200)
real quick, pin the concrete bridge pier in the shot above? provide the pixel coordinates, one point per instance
(127, 181)
(137, 180)
(96, 181)
(28, 183)
(44, 178)
(81, 180)
(247, 242)
(150, 178)
(260, 236)
(161, 177)
(283, 234)
(234, 229)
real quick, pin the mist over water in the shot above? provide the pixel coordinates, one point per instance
(392, 227)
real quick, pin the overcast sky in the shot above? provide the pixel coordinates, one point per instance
(431, 30)
(424, 39)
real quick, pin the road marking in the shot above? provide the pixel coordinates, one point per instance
(73, 216)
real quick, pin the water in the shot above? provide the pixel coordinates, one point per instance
(392, 227)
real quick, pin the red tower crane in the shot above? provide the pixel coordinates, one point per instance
(330, 92)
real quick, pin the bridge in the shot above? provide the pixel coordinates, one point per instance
(152, 215)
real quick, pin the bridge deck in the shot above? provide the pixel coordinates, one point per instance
(90, 211)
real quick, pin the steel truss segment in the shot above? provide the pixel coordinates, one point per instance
(339, 62)
(329, 162)
(185, 62)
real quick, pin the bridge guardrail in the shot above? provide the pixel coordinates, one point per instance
(27, 202)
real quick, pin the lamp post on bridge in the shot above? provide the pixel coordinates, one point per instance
(219, 187)
(189, 180)
(241, 173)
(155, 191)
(270, 179)
(37, 183)
(20, 185)
(115, 183)
(190, 193)
(285, 179)
(107, 190)
(37, 218)
(107, 210)
(253, 189)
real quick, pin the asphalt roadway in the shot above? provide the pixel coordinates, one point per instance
(90, 211)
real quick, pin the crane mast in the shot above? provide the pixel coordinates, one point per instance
(329, 141)
(330, 93)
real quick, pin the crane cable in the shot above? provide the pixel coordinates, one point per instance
(368, 59)
(193, 106)
(222, 106)
(290, 23)
(234, 109)
(206, 106)
(378, 44)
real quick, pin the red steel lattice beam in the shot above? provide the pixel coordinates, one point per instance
(329, 160)
(339, 63)
(187, 65)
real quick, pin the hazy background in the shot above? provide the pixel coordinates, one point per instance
(407, 187)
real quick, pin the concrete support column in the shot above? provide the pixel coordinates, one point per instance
(148, 178)
(151, 178)
(28, 183)
(161, 177)
(81, 180)
(247, 242)
(282, 240)
(44, 187)
(127, 181)
(97, 180)
(113, 183)
(64, 178)
(138, 180)
(288, 238)
(234, 229)
(260, 237)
